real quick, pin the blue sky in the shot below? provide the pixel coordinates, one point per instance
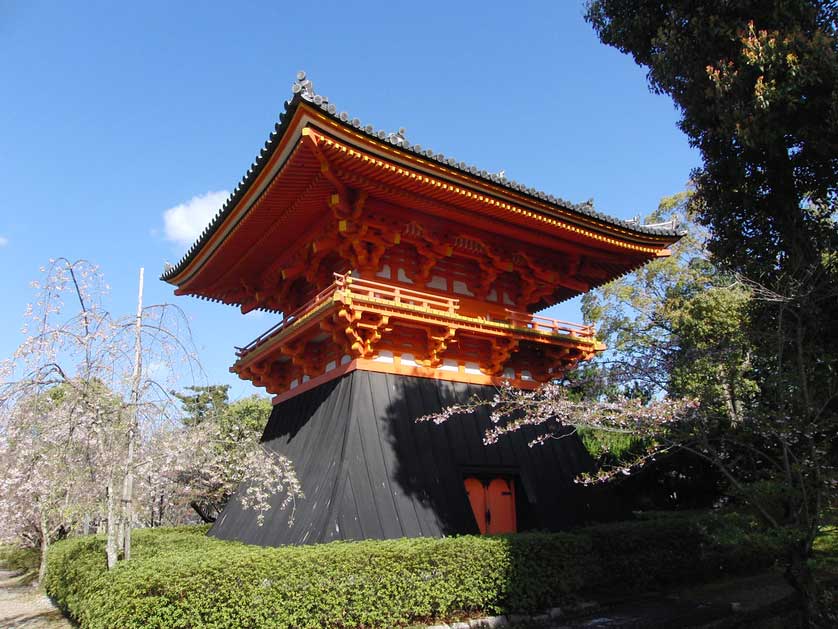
(112, 115)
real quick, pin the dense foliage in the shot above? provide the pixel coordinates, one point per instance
(182, 578)
(756, 83)
(674, 327)
(18, 558)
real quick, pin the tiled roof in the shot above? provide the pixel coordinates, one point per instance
(303, 90)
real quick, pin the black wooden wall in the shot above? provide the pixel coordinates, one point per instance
(369, 470)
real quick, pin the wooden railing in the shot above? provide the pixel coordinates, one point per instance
(287, 321)
(398, 296)
(548, 325)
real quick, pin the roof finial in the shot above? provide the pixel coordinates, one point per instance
(303, 86)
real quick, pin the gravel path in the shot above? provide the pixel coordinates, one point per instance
(24, 607)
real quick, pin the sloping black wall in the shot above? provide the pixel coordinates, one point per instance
(369, 470)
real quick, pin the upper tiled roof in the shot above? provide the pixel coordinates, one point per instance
(303, 90)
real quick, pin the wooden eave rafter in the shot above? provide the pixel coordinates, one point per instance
(480, 197)
(286, 145)
(388, 166)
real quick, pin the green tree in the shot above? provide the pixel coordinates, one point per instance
(673, 327)
(756, 82)
(203, 402)
(712, 360)
(248, 416)
(242, 419)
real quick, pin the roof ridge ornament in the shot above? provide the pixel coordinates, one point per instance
(672, 224)
(303, 86)
(398, 138)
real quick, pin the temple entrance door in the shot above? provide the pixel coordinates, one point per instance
(493, 504)
(501, 499)
(477, 497)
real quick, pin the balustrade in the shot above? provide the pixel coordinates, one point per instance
(347, 289)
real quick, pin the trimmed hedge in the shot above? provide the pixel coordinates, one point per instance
(182, 578)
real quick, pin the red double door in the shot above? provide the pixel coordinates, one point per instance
(493, 503)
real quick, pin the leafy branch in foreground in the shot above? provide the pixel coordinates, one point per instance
(552, 413)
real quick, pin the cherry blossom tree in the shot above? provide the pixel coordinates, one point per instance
(86, 411)
(71, 351)
(50, 478)
(552, 412)
(205, 461)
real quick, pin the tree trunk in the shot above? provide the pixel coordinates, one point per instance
(110, 546)
(128, 486)
(205, 517)
(44, 530)
(800, 577)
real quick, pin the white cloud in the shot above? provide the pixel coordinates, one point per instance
(3, 241)
(158, 370)
(185, 222)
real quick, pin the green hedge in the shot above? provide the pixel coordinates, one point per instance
(182, 578)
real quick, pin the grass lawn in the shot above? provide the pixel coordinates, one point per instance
(826, 552)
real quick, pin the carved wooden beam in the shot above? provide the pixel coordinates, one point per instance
(438, 340)
(339, 202)
(337, 332)
(502, 349)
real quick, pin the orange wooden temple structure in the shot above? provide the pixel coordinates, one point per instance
(387, 257)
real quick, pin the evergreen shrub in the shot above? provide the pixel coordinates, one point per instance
(182, 578)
